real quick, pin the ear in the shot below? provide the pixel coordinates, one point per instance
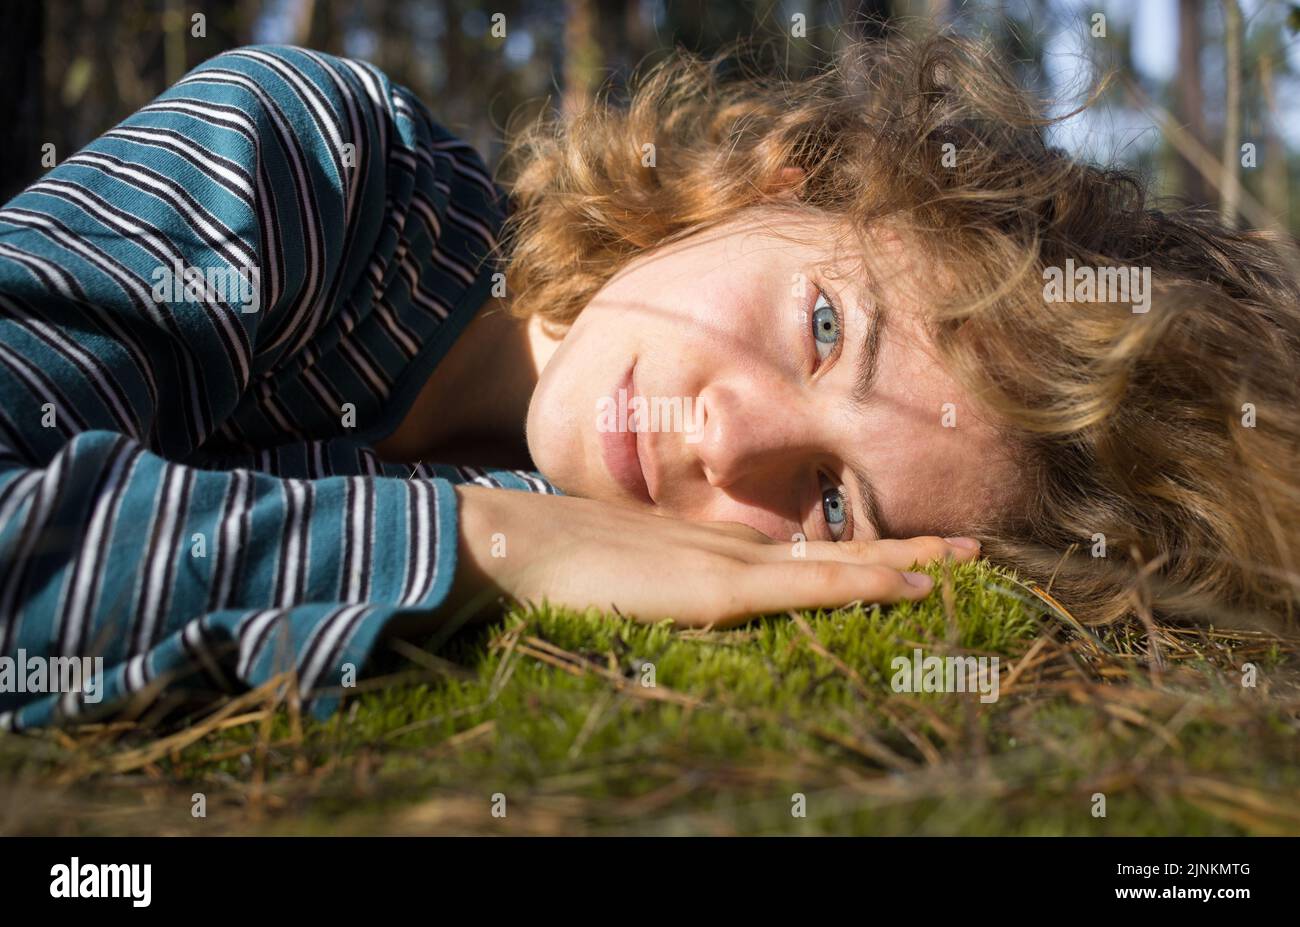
(786, 184)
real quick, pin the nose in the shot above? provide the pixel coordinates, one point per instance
(748, 430)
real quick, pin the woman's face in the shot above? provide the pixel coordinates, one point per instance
(749, 374)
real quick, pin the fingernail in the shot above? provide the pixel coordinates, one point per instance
(919, 580)
(964, 543)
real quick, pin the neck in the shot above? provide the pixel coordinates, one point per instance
(474, 406)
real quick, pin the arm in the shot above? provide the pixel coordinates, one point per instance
(117, 537)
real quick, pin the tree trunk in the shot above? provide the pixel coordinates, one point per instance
(1229, 191)
(582, 58)
(1189, 96)
(1276, 195)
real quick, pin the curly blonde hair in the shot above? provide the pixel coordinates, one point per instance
(1133, 427)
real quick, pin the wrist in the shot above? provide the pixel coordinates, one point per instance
(480, 552)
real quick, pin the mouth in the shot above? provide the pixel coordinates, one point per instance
(621, 448)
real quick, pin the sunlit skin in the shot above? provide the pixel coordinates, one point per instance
(763, 320)
(721, 316)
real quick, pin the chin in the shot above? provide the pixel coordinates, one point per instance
(557, 453)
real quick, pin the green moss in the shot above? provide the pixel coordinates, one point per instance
(736, 726)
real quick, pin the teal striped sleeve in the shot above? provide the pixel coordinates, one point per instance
(207, 317)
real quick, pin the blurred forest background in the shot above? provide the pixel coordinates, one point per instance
(1199, 79)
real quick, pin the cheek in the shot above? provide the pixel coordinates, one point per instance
(723, 508)
(537, 432)
(555, 421)
(561, 426)
(728, 319)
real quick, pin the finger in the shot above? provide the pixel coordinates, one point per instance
(736, 530)
(898, 554)
(904, 553)
(773, 587)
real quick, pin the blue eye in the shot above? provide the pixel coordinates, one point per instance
(825, 326)
(833, 510)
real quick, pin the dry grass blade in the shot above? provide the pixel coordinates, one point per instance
(820, 649)
(142, 756)
(578, 665)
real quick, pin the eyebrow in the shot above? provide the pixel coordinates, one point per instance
(865, 376)
(869, 501)
(869, 356)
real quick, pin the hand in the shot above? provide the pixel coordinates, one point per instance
(581, 553)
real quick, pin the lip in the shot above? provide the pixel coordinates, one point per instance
(621, 450)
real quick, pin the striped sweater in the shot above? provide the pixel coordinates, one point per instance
(207, 317)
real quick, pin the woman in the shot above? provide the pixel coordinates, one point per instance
(261, 340)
